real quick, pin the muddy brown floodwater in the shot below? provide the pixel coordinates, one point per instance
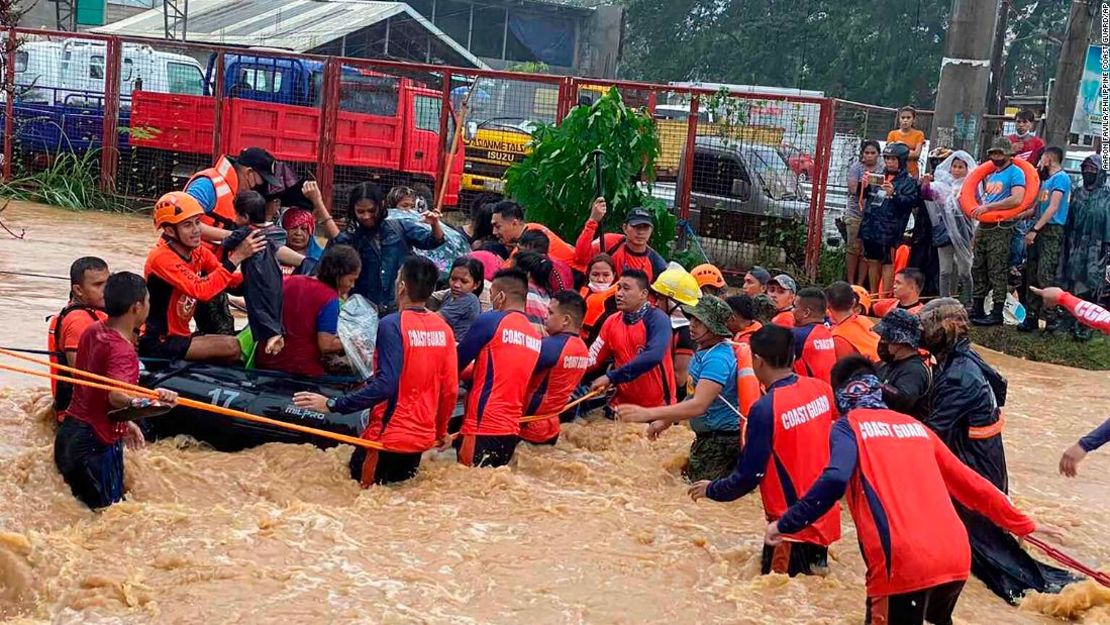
(595, 530)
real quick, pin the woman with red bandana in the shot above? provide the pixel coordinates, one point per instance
(300, 227)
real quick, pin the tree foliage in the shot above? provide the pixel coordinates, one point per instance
(887, 53)
(555, 183)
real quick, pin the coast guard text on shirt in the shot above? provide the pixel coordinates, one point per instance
(516, 337)
(424, 338)
(804, 414)
(878, 429)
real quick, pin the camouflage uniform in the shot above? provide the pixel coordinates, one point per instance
(713, 456)
(1040, 268)
(990, 266)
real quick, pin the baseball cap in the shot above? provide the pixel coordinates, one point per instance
(260, 161)
(639, 216)
(761, 274)
(785, 282)
(899, 326)
(1002, 144)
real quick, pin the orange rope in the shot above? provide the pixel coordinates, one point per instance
(123, 387)
(587, 396)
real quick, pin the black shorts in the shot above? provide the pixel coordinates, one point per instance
(370, 466)
(486, 451)
(931, 605)
(165, 347)
(93, 470)
(877, 251)
(792, 559)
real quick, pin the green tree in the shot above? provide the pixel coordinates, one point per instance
(556, 183)
(888, 53)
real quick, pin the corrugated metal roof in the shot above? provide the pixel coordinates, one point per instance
(297, 25)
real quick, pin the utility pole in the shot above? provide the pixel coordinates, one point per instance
(175, 14)
(998, 65)
(965, 74)
(1069, 71)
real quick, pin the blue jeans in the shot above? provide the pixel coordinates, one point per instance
(1017, 243)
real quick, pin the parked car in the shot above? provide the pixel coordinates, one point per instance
(800, 161)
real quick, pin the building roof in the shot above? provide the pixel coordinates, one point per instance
(296, 25)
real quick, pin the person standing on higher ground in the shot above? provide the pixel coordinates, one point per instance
(629, 250)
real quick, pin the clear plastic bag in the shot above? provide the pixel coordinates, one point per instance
(358, 331)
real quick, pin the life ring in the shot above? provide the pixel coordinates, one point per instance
(969, 200)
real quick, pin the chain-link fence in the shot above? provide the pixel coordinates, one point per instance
(744, 172)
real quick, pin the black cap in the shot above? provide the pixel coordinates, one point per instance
(638, 216)
(260, 161)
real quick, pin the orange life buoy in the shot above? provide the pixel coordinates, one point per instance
(969, 199)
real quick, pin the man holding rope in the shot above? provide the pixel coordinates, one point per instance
(88, 447)
(413, 391)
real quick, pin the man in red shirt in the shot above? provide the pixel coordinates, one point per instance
(504, 348)
(782, 290)
(413, 391)
(786, 446)
(88, 446)
(814, 348)
(181, 272)
(1027, 146)
(852, 333)
(563, 361)
(630, 250)
(907, 293)
(900, 480)
(87, 277)
(638, 339)
(508, 224)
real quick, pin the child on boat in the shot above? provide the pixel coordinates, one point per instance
(262, 278)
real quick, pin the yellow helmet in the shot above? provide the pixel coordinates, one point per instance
(677, 283)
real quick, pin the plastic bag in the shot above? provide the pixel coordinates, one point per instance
(455, 243)
(358, 331)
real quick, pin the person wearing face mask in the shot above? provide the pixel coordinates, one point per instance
(504, 348)
(903, 372)
(711, 407)
(786, 446)
(990, 269)
(1027, 146)
(1046, 236)
(215, 190)
(966, 402)
(639, 341)
(1087, 244)
(600, 295)
(413, 390)
(629, 250)
(383, 243)
(310, 314)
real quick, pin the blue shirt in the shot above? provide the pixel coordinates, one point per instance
(1056, 183)
(1001, 184)
(716, 364)
(383, 250)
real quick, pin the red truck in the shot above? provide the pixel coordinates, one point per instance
(387, 131)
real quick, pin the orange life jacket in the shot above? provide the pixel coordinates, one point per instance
(226, 180)
(598, 307)
(748, 390)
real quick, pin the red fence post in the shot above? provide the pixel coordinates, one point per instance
(815, 233)
(109, 146)
(682, 194)
(446, 110)
(218, 119)
(568, 92)
(329, 122)
(9, 101)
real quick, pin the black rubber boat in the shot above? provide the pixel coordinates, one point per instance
(263, 393)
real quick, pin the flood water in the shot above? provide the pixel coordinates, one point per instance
(595, 530)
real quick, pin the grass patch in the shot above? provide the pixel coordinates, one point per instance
(1058, 349)
(69, 180)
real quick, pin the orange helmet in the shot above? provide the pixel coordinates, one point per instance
(174, 208)
(708, 275)
(864, 298)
